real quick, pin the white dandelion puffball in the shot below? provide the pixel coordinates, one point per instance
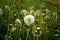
(29, 19)
(24, 12)
(17, 21)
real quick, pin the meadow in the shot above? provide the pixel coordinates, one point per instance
(29, 20)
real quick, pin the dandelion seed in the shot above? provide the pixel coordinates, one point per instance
(29, 19)
(24, 12)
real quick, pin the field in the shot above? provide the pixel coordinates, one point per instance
(29, 20)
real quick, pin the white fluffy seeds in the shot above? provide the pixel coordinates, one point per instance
(17, 21)
(29, 19)
(24, 12)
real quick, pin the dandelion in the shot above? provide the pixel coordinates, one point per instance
(55, 14)
(38, 28)
(47, 17)
(38, 33)
(29, 19)
(42, 6)
(17, 21)
(43, 14)
(10, 26)
(32, 7)
(10, 38)
(24, 12)
(56, 35)
(37, 13)
(6, 6)
(44, 22)
(47, 11)
(15, 15)
(37, 21)
(13, 5)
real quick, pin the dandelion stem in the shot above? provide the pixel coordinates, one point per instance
(36, 37)
(27, 34)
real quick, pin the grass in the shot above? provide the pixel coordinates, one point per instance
(12, 11)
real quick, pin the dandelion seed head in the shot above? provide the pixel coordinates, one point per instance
(47, 17)
(17, 21)
(24, 12)
(29, 19)
(10, 24)
(57, 30)
(13, 5)
(56, 35)
(47, 11)
(37, 13)
(32, 7)
(9, 36)
(6, 6)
